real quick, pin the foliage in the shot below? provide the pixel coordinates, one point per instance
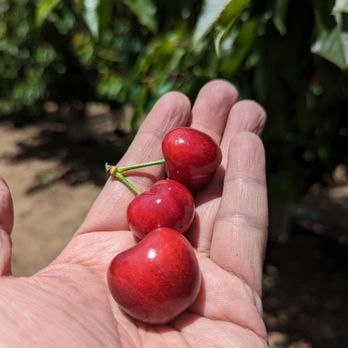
(290, 55)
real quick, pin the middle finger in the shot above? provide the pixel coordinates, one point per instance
(245, 115)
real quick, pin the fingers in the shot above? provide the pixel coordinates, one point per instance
(240, 229)
(6, 224)
(109, 210)
(212, 106)
(245, 115)
(209, 115)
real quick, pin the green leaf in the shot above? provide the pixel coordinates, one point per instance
(111, 86)
(90, 15)
(105, 13)
(145, 11)
(341, 6)
(322, 11)
(221, 12)
(43, 9)
(241, 47)
(332, 44)
(279, 15)
(140, 95)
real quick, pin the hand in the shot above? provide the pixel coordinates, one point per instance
(67, 304)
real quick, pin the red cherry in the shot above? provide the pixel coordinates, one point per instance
(157, 279)
(167, 204)
(191, 157)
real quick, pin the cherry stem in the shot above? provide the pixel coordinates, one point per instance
(127, 183)
(140, 165)
(113, 171)
(116, 172)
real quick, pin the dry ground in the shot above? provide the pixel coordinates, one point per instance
(45, 218)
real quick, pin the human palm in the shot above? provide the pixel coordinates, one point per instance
(67, 304)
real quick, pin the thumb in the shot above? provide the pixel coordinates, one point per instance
(6, 224)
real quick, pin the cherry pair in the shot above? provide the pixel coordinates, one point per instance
(159, 278)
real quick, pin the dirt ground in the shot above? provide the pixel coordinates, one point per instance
(44, 219)
(54, 181)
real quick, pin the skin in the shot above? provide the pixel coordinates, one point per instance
(67, 304)
(166, 204)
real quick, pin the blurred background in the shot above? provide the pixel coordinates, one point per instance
(77, 77)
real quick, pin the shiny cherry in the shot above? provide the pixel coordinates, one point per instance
(192, 157)
(167, 204)
(157, 279)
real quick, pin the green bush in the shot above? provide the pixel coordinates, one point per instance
(291, 56)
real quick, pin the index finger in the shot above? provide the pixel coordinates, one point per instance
(108, 212)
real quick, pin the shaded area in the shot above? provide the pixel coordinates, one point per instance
(79, 148)
(305, 287)
(306, 276)
(54, 167)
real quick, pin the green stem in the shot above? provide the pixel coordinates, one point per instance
(127, 183)
(116, 172)
(140, 165)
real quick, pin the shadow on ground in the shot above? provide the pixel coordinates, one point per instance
(305, 292)
(80, 148)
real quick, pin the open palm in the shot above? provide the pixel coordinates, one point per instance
(67, 304)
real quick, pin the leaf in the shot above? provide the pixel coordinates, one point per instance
(241, 47)
(341, 6)
(90, 15)
(105, 13)
(225, 11)
(145, 11)
(333, 46)
(220, 33)
(322, 11)
(330, 46)
(43, 9)
(140, 95)
(279, 15)
(111, 86)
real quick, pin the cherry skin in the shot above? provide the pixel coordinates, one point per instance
(192, 157)
(167, 204)
(157, 279)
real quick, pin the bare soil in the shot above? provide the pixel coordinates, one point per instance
(46, 218)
